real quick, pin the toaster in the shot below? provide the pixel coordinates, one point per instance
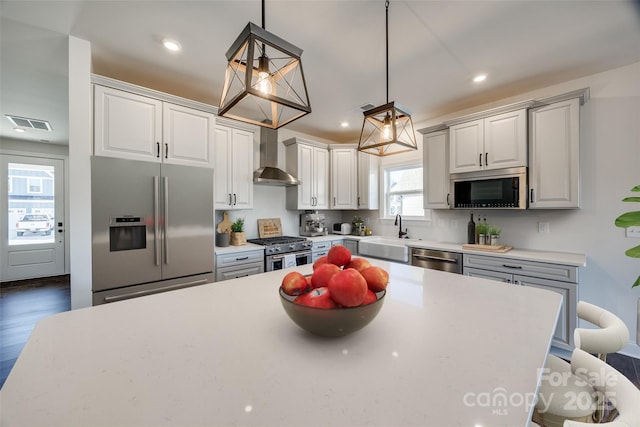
(342, 228)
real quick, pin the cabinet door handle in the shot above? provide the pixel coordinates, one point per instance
(229, 199)
(448, 199)
(480, 160)
(157, 149)
(486, 159)
(235, 199)
(358, 200)
(166, 150)
(334, 201)
(531, 197)
(518, 267)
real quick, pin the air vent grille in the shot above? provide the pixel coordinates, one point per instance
(25, 122)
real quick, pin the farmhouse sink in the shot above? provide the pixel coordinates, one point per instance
(388, 248)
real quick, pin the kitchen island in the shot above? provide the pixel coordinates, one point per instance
(445, 350)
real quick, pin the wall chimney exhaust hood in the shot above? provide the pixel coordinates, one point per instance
(269, 173)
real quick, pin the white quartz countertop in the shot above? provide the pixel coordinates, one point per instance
(231, 249)
(443, 347)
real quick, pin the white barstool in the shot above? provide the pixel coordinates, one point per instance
(610, 383)
(559, 384)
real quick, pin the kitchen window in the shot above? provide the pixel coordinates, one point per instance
(403, 191)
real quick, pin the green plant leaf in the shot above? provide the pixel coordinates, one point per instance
(636, 188)
(631, 199)
(633, 252)
(628, 219)
(637, 283)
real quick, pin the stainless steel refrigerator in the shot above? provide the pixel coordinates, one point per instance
(152, 228)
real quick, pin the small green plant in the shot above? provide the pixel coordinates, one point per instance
(238, 226)
(494, 230)
(631, 219)
(482, 227)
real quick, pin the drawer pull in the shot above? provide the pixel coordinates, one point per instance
(519, 267)
(242, 259)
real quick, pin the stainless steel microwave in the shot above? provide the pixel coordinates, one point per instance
(490, 189)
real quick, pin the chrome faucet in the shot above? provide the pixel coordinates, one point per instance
(399, 224)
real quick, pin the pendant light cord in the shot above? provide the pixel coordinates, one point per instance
(386, 5)
(263, 27)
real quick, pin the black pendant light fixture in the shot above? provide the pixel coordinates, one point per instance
(387, 129)
(264, 82)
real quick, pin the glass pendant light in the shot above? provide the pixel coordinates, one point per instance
(387, 129)
(264, 83)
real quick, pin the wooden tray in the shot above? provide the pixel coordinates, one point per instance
(499, 249)
(224, 226)
(269, 227)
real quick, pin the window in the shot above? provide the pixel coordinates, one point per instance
(403, 191)
(34, 185)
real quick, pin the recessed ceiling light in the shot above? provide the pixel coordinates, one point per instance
(172, 45)
(344, 124)
(480, 78)
(19, 130)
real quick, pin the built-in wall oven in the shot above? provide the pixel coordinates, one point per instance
(284, 251)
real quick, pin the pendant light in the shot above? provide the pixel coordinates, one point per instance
(264, 82)
(387, 129)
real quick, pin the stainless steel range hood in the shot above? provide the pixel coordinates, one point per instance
(269, 173)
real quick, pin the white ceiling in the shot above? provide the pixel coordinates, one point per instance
(435, 47)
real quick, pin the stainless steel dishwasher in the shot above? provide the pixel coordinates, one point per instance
(437, 260)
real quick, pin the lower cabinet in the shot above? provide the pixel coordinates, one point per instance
(239, 264)
(562, 279)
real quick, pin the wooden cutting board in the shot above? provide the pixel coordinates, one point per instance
(500, 249)
(224, 226)
(269, 227)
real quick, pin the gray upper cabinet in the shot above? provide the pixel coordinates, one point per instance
(368, 180)
(493, 142)
(344, 177)
(436, 168)
(554, 170)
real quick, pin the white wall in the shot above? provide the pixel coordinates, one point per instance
(80, 142)
(610, 167)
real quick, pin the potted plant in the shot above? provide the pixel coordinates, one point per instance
(238, 236)
(631, 219)
(494, 232)
(483, 229)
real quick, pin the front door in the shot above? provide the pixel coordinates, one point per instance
(32, 217)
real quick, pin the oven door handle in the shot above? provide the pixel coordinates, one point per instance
(297, 254)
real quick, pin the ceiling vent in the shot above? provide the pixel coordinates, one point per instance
(24, 122)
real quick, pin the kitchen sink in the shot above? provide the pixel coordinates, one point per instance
(389, 248)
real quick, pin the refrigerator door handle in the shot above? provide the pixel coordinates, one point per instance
(165, 223)
(156, 225)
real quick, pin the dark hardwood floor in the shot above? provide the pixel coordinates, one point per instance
(24, 303)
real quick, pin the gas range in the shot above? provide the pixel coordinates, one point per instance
(283, 244)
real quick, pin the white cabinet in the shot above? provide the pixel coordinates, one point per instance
(436, 169)
(309, 162)
(239, 264)
(494, 142)
(138, 127)
(562, 279)
(368, 181)
(554, 173)
(344, 177)
(233, 186)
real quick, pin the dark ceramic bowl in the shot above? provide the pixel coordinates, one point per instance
(331, 322)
